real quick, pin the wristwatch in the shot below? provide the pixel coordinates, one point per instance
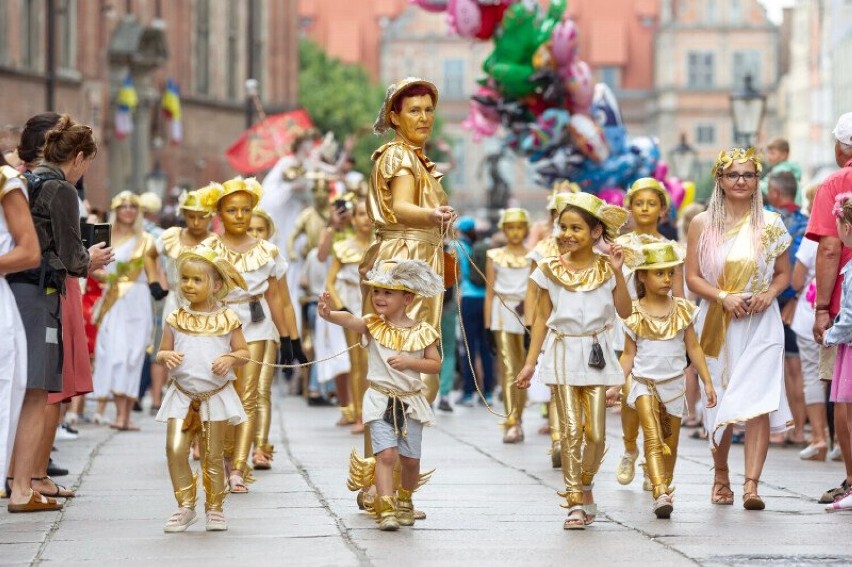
(721, 297)
(821, 307)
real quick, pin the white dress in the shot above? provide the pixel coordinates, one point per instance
(202, 337)
(748, 368)
(385, 341)
(169, 248)
(660, 354)
(539, 392)
(13, 347)
(511, 277)
(125, 332)
(257, 264)
(588, 309)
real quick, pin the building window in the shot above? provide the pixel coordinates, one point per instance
(736, 11)
(710, 11)
(746, 62)
(699, 69)
(202, 46)
(705, 134)
(453, 79)
(31, 33)
(231, 74)
(611, 75)
(66, 27)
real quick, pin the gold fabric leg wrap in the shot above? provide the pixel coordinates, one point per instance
(582, 421)
(347, 413)
(553, 417)
(629, 419)
(510, 351)
(386, 513)
(213, 466)
(263, 419)
(405, 507)
(357, 372)
(237, 450)
(660, 452)
(184, 482)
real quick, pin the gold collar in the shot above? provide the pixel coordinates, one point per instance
(648, 326)
(501, 257)
(401, 339)
(213, 323)
(260, 254)
(587, 279)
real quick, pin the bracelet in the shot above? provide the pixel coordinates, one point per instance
(822, 307)
(721, 297)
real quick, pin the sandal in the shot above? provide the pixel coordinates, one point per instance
(751, 500)
(722, 493)
(692, 422)
(59, 490)
(216, 521)
(260, 461)
(180, 520)
(36, 503)
(514, 434)
(576, 518)
(236, 484)
(590, 509)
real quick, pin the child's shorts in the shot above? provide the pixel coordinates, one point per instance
(383, 437)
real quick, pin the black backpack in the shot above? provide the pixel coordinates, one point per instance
(478, 257)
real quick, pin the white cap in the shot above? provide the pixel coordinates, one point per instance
(843, 131)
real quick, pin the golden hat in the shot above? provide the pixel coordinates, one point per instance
(513, 215)
(383, 123)
(231, 278)
(258, 212)
(644, 183)
(191, 201)
(211, 194)
(611, 216)
(740, 155)
(560, 188)
(659, 255)
(128, 196)
(150, 202)
(413, 276)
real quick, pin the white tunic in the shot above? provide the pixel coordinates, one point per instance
(13, 347)
(195, 373)
(125, 331)
(169, 248)
(511, 277)
(564, 361)
(257, 264)
(385, 341)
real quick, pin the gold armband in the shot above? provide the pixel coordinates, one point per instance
(721, 297)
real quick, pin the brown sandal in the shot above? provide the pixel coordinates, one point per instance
(59, 491)
(722, 493)
(35, 504)
(751, 500)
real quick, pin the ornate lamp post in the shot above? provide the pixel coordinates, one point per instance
(747, 108)
(683, 158)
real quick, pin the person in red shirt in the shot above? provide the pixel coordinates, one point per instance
(831, 257)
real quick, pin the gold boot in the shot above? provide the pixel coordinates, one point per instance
(405, 507)
(386, 514)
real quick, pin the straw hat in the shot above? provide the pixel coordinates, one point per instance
(383, 123)
(659, 255)
(651, 184)
(213, 193)
(414, 276)
(611, 216)
(513, 215)
(190, 201)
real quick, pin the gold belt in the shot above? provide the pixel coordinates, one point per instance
(561, 335)
(429, 236)
(651, 384)
(193, 414)
(395, 395)
(249, 299)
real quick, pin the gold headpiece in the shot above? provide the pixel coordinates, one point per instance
(258, 212)
(560, 188)
(383, 123)
(659, 255)
(740, 155)
(414, 276)
(190, 201)
(648, 183)
(513, 215)
(132, 198)
(150, 202)
(611, 216)
(210, 195)
(231, 278)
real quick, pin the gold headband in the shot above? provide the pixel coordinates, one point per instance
(132, 198)
(651, 184)
(659, 255)
(740, 155)
(383, 123)
(189, 201)
(611, 216)
(513, 215)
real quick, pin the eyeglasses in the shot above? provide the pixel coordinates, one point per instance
(734, 177)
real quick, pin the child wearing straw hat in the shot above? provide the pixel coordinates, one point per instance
(658, 335)
(399, 350)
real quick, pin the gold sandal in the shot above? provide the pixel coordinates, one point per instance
(751, 500)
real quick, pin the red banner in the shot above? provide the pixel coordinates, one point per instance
(260, 146)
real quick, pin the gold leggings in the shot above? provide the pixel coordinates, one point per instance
(629, 419)
(553, 420)
(238, 438)
(510, 351)
(213, 470)
(357, 372)
(582, 426)
(264, 403)
(660, 466)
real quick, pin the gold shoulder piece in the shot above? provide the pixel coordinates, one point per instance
(215, 323)
(662, 328)
(588, 279)
(347, 252)
(171, 242)
(502, 258)
(8, 172)
(395, 157)
(252, 259)
(401, 339)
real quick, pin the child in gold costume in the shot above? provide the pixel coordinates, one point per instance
(399, 350)
(648, 202)
(659, 334)
(507, 272)
(581, 292)
(202, 343)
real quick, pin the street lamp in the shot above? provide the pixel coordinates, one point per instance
(683, 157)
(747, 108)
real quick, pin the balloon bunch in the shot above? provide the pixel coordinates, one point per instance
(544, 96)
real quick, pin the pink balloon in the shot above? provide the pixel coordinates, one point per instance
(482, 120)
(676, 190)
(581, 87)
(661, 171)
(564, 43)
(588, 137)
(464, 17)
(612, 196)
(431, 5)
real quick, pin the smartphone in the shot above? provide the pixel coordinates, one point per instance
(342, 205)
(93, 233)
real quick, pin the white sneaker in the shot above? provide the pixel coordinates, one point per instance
(216, 521)
(62, 433)
(180, 520)
(71, 418)
(835, 454)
